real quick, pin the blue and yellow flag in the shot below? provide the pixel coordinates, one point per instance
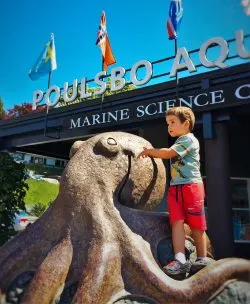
(46, 62)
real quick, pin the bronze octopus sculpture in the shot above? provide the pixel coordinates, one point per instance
(94, 240)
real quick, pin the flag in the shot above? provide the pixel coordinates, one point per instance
(246, 4)
(174, 19)
(46, 62)
(103, 42)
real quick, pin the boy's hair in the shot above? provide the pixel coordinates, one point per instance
(183, 113)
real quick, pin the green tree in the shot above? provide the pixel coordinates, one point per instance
(2, 112)
(12, 192)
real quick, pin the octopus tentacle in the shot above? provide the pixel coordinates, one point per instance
(144, 274)
(51, 275)
(210, 279)
(16, 260)
(102, 276)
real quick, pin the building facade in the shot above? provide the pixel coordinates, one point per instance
(221, 102)
(29, 158)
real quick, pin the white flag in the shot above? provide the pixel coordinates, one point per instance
(246, 4)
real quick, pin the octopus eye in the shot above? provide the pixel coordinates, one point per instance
(107, 146)
(111, 141)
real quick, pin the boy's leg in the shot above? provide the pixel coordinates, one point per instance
(199, 237)
(178, 238)
(202, 260)
(178, 268)
(193, 197)
(176, 216)
(194, 207)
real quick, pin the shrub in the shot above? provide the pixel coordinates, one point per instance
(12, 192)
(39, 209)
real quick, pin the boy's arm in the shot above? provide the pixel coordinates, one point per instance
(163, 153)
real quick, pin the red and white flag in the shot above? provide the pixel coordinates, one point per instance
(102, 40)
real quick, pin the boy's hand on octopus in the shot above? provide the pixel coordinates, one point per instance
(144, 153)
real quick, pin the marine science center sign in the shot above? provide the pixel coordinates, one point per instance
(223, 96)
(182, 61)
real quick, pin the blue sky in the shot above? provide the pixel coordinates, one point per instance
(137, 30)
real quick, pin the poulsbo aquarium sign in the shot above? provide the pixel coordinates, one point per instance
(181, 62)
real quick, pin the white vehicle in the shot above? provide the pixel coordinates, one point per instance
(22, 220)
(37, 176)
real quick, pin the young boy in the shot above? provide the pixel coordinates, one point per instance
(186, 191)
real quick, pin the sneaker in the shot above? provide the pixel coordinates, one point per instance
(200, 263)
(177, 270)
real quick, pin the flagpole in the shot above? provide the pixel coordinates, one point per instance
(47, 108)
(176, 76)
(49, 79)
(104, 92)
(102, 63)
(46, 117)
(173, 22)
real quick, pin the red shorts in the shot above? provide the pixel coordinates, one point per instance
(186, 202)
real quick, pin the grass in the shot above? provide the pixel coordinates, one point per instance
(40, 192)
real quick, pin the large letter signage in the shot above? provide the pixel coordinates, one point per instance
(219, 62)
(240, 45)
(182, 53)
(148, 75)
(182, 61)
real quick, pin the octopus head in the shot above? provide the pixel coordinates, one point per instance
(112, 159)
